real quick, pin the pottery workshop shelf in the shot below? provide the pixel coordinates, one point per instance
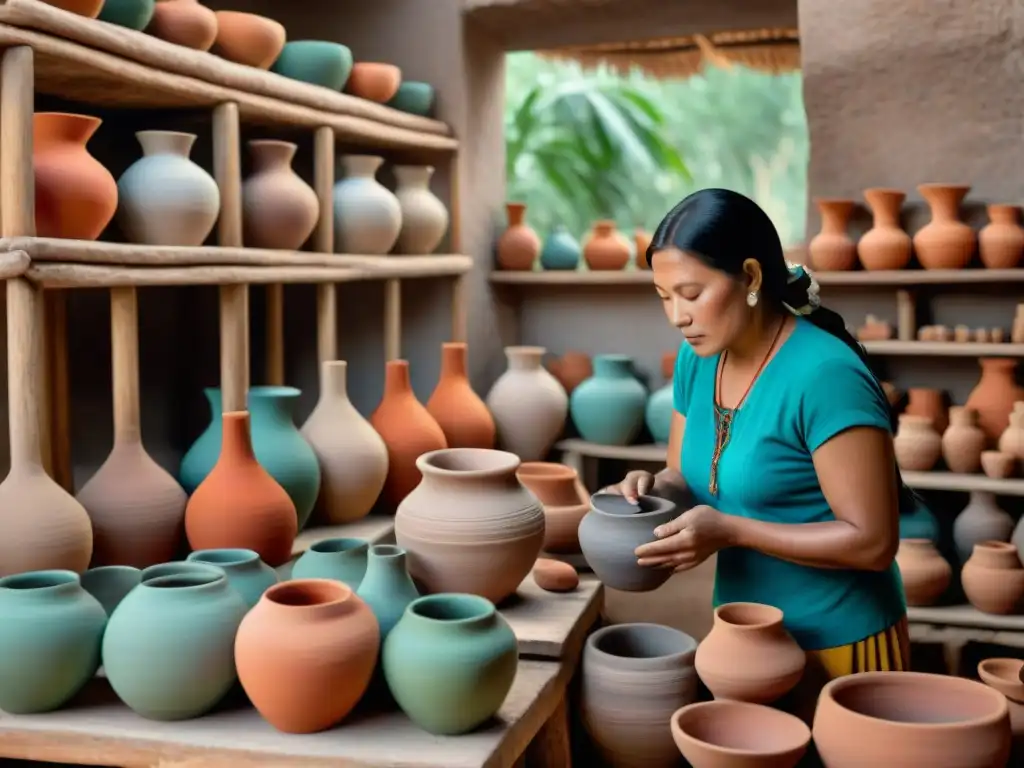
(956, 625)
(944, 348)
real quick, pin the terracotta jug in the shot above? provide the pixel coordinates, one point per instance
(528, 404)
(832, 249)
(571, 369)
(459, 411)
(641, 242)
(518, 246)
(917, 445)
(926, 574)
(135, 506)
(246, 38)
(279, 209)
(239, 505)
(963, 441)
(1012, 439)
(424, 217)
(605, 247)
(993, 578)
(981, 520)
(408, 430)
(945, 242)
(185, 23)
(885, 245)
(353, 457)
(76, 197)
(994, 395)
(1001, 241)
(748, 655)
(923, 401)
(557, 487)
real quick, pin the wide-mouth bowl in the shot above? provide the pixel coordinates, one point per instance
(749, 615)
(1005, 676)
(640, 644)
(739, 729)
(451, 608)
(615, 505)
(306, 593)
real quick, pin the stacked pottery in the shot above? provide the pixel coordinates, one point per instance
(249, 576)
(981, 520)
(469, 526)
(634, 677)
(518, 245)
(1005, 676)
(528, 404)
(994, 395)
(340, 559)
(458, 410)
(885, 245)
(917, 445)
(185, 23)
(387, 587)
(560, 251)
(246, 38)
(424, 217)
(963, 441)
(279, 209)
(557, 487)
(926, 574)
(606, 248)
(1001, 241)
(608, 408)
(993, 578)
(723, 734)
(367, 215)
(945, 242)
(832, 248)
(109, 584)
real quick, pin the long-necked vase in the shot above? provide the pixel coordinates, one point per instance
(459, 411)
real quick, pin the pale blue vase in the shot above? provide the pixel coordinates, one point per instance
(387, 587)
(561, 250)
(343, 560)
(608, 408)
(249, 576)
(658, 413)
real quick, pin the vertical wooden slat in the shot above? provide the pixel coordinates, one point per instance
(323, 238)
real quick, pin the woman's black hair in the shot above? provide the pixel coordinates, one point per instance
(723, 229)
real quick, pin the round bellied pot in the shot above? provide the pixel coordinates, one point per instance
(528, 404)
(608, 408)
(560, 251)
(832, 248)
(945, 242)
(518, 246)
(963, 441)
(339, 559)
(1001, 241)
(926, 574)
(249, 576)
(110, 584)
(424, 217)
(367, 215)
(993, 578)
(911, 719)
(279, 209)
(724, 734)
(917, 445)
(557, 487)
(605, 248)
(981, 520)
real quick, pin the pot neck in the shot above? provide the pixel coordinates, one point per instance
(413, 176)
(396, 379)
(452, 612)
(236, 440)
(185, 587)
(386, 562)
(944, 200)
(461, 468)
(961, 416)
(885, 206)
(997, 366)
(453, 359)
(228, 559)
(983, 498)
(311, 599)
(613, 366)
(166, 143)
(334, 379)
(604, 228)
(524, 358)
(835, 214)
(361, 166)
(63, 127)
(1004, 214)
(273, 405)
(270, 154)
(516, 213)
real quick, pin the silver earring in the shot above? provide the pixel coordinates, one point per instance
(752, 299)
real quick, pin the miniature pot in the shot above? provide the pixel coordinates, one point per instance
(557, 488)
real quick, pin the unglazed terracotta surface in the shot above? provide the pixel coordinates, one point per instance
(374, 81)
(832, 248)
(945, 242)
(518, 246)
(184, 22)
(994, 395)
(737, 734)
(917, 445)
(993, 578)
(557, 487)
(571, 369)
(886, 245)
(458, 410)
(963, 441)
(605, 247)
(248, 39)
(926, 574)
(1001, 241)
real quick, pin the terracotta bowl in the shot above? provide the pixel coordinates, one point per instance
(710, 734)
(374, 81)
(249, 39)
(1005, 675)
(998, 464)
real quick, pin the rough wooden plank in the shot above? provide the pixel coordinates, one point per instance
(552, 625)
(13, 264)
(944, 348)
(965, 616)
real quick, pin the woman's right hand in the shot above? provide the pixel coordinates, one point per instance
(637, 483)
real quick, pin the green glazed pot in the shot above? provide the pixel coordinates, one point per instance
(110, 584)
(249, 576)
(387, 587)
(49, 640)
(450, 662)
(339, 559)
(169, 648)
(414, 97)
(134, 14)
(315, 61)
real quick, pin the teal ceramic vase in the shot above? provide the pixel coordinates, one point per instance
(387, 587)
(173, 568)
(561, 250)
(169, 648)
(315, 61)
(450, 662)
(49, 640)
(339, 559)
(919, 523)
(249, 576)
(414, 97)
(134, 14)
(109, 584)
(608, 408)
(658, 413)
(276, 441)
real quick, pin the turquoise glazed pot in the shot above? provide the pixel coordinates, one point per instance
(49, 640)
(339, 559)
(450, 662)
(387, 587)
(134, 14)
(110, 584)
(608, 408)
(658, 413)
(315, 61)
(169, 648)
(249, 576)
(414, 97)
(173, 568)
(278, 446)
(919, 523)
(561, 250)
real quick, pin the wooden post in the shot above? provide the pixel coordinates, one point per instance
(392, 320)
(323, 239)
(275, 334)
(906, 315)
(460, 287)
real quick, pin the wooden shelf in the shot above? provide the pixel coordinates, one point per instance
(550, 625)
(944, 349)
(653, 453)
(965, 616)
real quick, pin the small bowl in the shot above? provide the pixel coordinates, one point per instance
(248, 38)
(998, 465)
(414, 97)
(315, 61)
(1005, 675)
(374, 81)
(715, 733)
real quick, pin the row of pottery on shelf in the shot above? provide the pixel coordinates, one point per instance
(944, 243)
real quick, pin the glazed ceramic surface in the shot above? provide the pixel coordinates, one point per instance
(339, 559)
(318, 62)
(249, 576)
(560, 251)
(608, 408)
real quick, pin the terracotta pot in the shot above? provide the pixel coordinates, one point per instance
(239, 505)
(926, 574)
(885, 245)
(994, 395)
(470, 526)
(88, 8)
(981, 520)
(634, 677)
(558, 489)
(911, 719)
(408, 430)
(748, 655)
(424, 217)
(1012, 440)
(1001, 241)
(571, 370)
(993, 578)
(963, 441)
(832, 249)
(606, 248)
(184, 22)
(528, 404)
(316, 689)
(246, 38)
(76, 197)
(279, 209)
(998, 465)
(924, 401)
(735, 734)
(459, 411)
(917, 444)
(641, 242)
(1004, 675)
(945, 242)
(518, 246)
(374, 81)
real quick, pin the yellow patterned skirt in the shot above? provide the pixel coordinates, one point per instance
(887, 651)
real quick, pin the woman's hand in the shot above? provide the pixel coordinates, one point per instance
(688, 540)
(636, 483)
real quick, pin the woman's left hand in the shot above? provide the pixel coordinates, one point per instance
(688, 540)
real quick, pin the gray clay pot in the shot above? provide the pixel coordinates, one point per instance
(613, 529)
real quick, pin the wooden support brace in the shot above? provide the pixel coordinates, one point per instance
(323, 238)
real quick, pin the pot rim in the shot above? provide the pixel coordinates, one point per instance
(336, 593)
(549, 470)
(339, 545)
(45, 579)
(690, 645)
(776, 615)
(500, 463)
(1011, 686)
(221, 556)
(661, 507)
(768, 713)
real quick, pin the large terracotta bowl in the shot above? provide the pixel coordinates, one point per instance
(912, 719)
(715, 734)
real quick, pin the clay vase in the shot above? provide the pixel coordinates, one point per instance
(76, 197)
(90, 9)
(634, 677)
(279, 209)
(748, 655)
(641, 242)
(556, 486)
(945, 242)
(528, 404)
(571, 370)
(1012, 440)
(993, 578)
(450, 662)
(248, 39)
(367, 215)
(185, 23)
(1004, 675)
(249, 576)
(658, 413)
(353, 458)
(133, 14)
(424, 217)
(561, 251)
(605, 248)
(459, 411)
(999, 465)
(408, 431)
(910, 718)
(963, 441)
(981, 520)
(313, 690)
(1001, 241)
(374, 81)
(885, 245)
(926, 574)
(994, 395)
(832, 249)
(470, 526)
(723, 734)
(109, 584)
(50, 640)
(917, 445)
(340, 559)
(168, 651)
(612, 530)
(608, 408)
(518, 245)
(239, 505)
(923, 401)
(387, 587)
(164, 197)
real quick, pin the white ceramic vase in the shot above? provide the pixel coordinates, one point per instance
(424, 217)
(367, 216)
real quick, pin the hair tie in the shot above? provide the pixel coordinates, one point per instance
(804, 289)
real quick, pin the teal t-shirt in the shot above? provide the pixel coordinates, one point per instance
(812, 389)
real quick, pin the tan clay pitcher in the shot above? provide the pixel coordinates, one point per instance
(832, 249)
(885, 245)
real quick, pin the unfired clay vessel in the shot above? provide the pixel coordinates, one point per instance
(736, 734)
(963, 441)
(424, 217)
(885, 245)
(571, 369)
(641, 242)
(945, 242)
(518, 246)
(993, 578)
(184, 22)
(279, 209)
(981, 520)
(1001, 241)
(605, 248)
(994, 395)
(246, 38)
(1012, 439)
(459, 411)
(832, 248)
(1004, 675)
(367, 216)
(917, 444)
(926, 574)
(528, 404)
(557, 487)
(930, 402)
(999, 465)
